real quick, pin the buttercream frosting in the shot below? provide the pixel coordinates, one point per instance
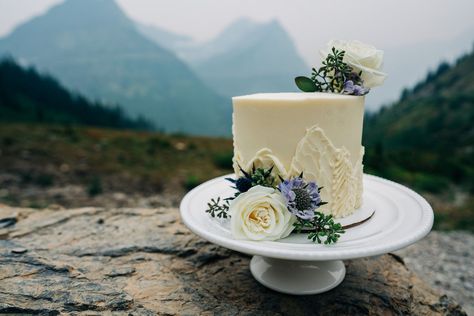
(318, 134)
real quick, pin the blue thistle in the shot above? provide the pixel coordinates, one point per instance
(257, 176)
(354, 89)
(302, 197)
(243, 184)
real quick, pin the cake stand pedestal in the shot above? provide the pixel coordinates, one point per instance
(297, 266)
(297, 277)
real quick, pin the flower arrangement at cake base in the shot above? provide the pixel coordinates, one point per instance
(268, 207)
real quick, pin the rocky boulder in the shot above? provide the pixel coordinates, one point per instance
(144, 262)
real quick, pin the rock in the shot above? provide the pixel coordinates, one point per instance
(444, 260)
(121, 271)
(7, 222)
(19, 250)
(144, 262)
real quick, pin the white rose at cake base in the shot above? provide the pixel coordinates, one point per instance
(362, 58)
(260, 214)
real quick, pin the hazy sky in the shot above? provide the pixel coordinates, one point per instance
(311, 23)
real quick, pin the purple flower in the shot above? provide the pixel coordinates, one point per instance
(354, 89)
(302, 198)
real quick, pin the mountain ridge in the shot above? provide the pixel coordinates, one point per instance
(406, 66)
(429, 132)
(101, 54)
(246, 57)
(27, 96)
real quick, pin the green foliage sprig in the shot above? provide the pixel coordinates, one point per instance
(320, 229)
(257, 176)
(331, 76)
(263, 177)
(218, 208)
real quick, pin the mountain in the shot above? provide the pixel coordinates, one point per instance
(26, 96)
(247, 57)
(429, 132)
(162, 37)
(92, 47)
(406, 65)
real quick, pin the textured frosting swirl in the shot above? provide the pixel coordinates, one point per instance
(320, 161)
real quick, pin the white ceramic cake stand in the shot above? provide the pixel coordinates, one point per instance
(295, 265)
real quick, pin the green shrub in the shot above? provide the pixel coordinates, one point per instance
(430, 183)
(178, 135)
(95, 187)
(191, 182)
(70, 133)
(26, 176)
(44, 180)
(156, 143)
(8, 141)
(223, 160)
(192, 146)
(440, 221)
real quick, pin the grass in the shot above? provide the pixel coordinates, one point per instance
(224, 160)
(191, 182)
(105, 160)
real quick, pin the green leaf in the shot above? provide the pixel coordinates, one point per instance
(305, 84)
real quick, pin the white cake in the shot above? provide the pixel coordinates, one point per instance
(318, 134)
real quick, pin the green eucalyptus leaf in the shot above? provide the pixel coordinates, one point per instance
(305, 84)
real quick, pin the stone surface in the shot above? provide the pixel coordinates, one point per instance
(445, 261)
(145, 262)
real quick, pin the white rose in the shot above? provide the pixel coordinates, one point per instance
(260, 214)
(361, 57)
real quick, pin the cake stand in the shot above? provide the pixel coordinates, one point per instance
(295, 265)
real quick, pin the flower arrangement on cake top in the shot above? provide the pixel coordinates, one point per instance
(348, 67)
(268, 208)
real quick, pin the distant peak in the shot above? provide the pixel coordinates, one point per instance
(246, 24)
(274, 22)
(242, 24)
(92, 13)
(244, 20)
(90, 6)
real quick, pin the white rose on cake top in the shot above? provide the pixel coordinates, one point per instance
(261, 214)
(362, 58)
(347, 67)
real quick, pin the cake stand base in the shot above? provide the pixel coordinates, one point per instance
(297, 277)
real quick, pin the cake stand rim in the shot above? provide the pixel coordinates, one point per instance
(259, 249)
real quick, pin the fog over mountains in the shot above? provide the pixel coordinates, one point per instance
(177, 84)
(181, 85)
(100, 53)
(427, 137)
(246, 57)
(406, 65)
(26, 96)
